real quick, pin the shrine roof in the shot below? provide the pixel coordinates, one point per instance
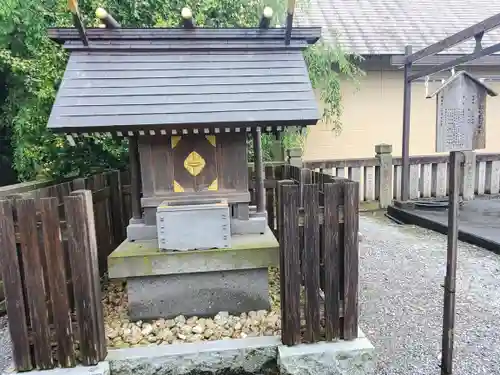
(467, 75)
(177, 79)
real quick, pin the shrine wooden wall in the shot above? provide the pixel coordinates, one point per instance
(186, 165)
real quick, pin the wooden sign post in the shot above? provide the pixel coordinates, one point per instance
(460, 126)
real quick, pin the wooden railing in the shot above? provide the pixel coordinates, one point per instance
(380, 176)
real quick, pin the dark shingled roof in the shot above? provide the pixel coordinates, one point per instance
(152, 79)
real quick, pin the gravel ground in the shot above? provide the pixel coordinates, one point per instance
(401, 300)
(5, 349)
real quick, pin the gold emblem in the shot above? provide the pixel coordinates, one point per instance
(194, 163)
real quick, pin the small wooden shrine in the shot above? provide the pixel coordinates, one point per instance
(188, 99)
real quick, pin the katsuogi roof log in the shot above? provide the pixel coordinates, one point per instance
(178, 80)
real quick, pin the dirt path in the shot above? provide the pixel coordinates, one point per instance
(401, 270)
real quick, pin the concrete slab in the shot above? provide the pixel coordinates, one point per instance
(141, 232)
(198, 294)
(254, 225)
(478, 222)
(101, 368)
(144, 258)
(240, 356)
(354, 357)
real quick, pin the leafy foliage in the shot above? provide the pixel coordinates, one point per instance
(31, 68)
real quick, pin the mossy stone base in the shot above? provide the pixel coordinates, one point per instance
(144, 258)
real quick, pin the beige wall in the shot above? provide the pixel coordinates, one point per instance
(373, 114)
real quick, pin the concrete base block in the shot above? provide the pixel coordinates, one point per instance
(256, 355)
(101, 368)
(328, 358)
(136, 221)
(198, 294)
(141, 232)
(254, 213)
(254, 225)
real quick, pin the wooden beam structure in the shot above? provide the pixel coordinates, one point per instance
(135, 178)
(259, 171)
(458, 61)
(482, 27)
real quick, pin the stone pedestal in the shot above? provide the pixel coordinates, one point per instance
(198, 294)
(200, 282)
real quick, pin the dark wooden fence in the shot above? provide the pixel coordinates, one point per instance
(317, 227)
(49, 253)
(111, 203)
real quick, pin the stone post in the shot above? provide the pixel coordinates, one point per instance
(383, 152)
(277, 149)
(469, 175)
(295, 157)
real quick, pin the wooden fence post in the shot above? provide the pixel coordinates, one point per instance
(351, 261)
(311, 262)
(290, 275)
(305, 178)
(85, 272)
(116, 198)
(54, 255)
(11, 276)
(332, 252)
(384, 179)
(35, 283)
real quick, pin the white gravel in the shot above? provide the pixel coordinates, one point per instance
(401, 300)
(5, 346)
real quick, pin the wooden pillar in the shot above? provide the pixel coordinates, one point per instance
(405, 151)
(135, 178)
(260, 193)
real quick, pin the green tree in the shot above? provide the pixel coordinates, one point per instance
(32, 66)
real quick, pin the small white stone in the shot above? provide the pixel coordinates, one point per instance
(261, 313)
(147, 329)
(180, 319)
(208, 333)
(198, 329)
